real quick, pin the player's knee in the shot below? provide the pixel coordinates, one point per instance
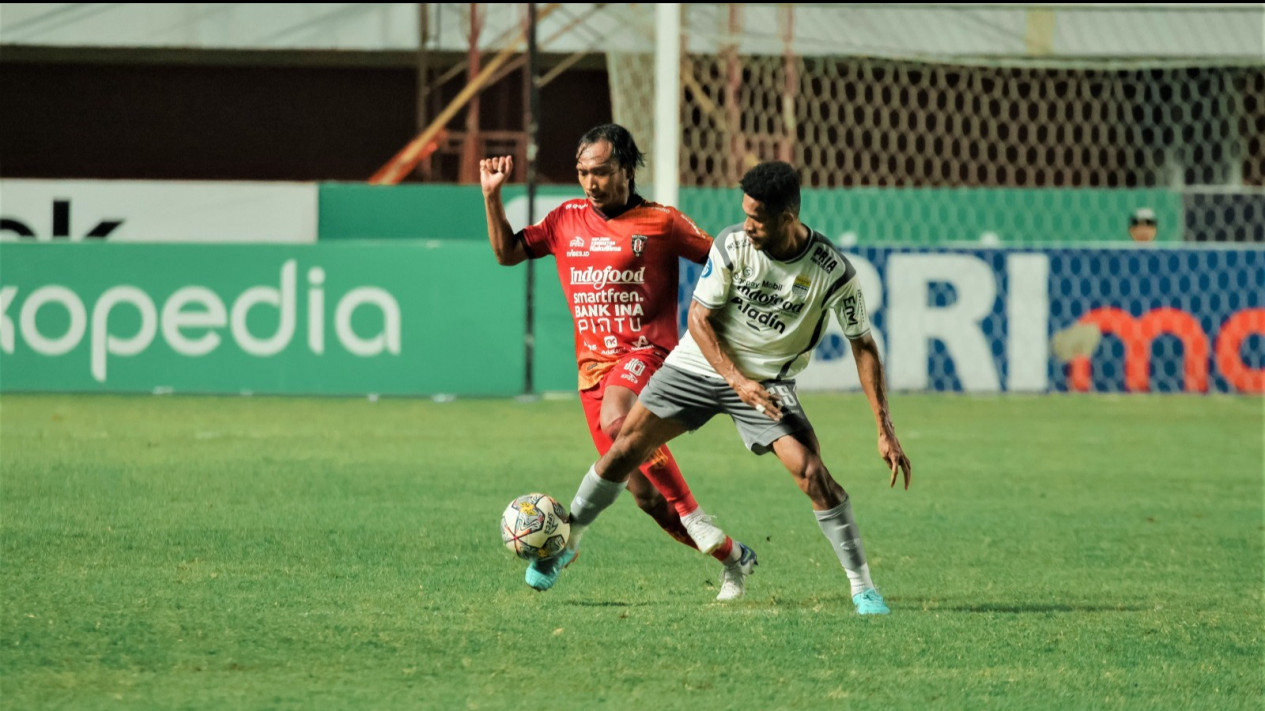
(625, 455)
(816, 482)
(612, 429)
(807, 472)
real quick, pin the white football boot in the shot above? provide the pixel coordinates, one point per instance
(734, 580)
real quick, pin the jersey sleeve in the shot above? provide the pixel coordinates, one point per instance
(712, 289)
(848, 304)
(693, 243)
(539, 238)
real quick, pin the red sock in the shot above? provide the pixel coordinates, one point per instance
(722, 553)
(662, 471)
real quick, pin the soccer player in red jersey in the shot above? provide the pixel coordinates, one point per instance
(617, 256)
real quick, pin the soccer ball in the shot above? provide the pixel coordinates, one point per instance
(535, 526)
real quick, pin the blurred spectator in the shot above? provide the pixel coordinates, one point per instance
(1142, 225)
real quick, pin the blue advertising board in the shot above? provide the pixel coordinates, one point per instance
(1148, 319)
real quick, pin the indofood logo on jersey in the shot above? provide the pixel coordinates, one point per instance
(754, 298)
(600, 278)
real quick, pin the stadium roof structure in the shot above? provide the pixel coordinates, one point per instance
(1040, 32)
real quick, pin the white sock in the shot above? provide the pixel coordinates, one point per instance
(840, 528)
(693, 516)
(593, 496)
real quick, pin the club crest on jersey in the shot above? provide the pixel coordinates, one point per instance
(638, 244)
(800, 287)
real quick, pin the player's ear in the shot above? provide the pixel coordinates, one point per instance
(787, 217)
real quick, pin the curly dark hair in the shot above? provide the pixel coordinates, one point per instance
(775, 184)
(623, 148)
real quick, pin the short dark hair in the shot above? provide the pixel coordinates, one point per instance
(623, 148)
(775, 184)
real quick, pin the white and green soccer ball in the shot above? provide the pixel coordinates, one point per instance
(535, 526)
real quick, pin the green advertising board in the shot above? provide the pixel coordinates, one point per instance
(863, 216)
(363, 211)
(392, 318)
(945, 216)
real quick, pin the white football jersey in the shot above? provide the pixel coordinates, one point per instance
(772, 314)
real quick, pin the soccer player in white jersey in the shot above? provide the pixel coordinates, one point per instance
(759, 310)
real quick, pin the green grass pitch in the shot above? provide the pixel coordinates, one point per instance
(1054, 552)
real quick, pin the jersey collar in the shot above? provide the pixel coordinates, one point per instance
(634, 200)
(808, 243)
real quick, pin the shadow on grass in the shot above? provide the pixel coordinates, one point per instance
(1019, 608)
(609, 603)
(917, 604)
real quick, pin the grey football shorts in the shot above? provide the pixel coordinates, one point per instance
(692, 400)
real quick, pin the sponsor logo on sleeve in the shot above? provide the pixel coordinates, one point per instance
(853, 309)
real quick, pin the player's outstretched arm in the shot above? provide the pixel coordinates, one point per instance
(493, 172)
(714, 350)
(873, 382)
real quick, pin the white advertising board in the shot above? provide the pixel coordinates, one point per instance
(157, 211)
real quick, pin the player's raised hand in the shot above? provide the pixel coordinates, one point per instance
(890, 450)
(493, 172)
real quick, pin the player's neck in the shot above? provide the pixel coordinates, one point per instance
(793, 245)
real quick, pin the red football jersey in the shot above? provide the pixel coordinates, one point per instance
(620, 276)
